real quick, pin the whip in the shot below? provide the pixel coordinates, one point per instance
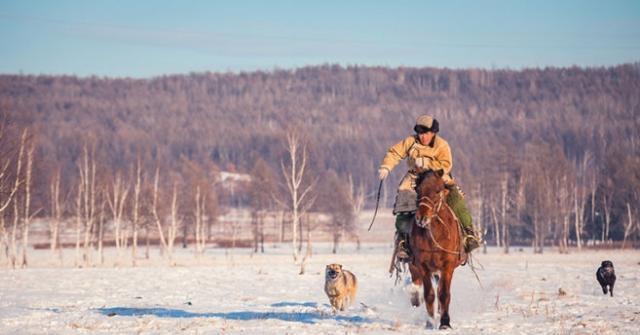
(377, 203)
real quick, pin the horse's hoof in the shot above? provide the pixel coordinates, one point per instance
(445, 327)
(415, 300)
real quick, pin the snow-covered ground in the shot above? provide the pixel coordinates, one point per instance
(232, 291)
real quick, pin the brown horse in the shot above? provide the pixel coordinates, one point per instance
(436, 244)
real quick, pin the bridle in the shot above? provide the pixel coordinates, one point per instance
(425, 222)
(430, 204)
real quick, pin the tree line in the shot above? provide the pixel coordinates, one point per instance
(547, 156)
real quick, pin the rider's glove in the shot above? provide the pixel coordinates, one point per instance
(422, 163)
(383, 173)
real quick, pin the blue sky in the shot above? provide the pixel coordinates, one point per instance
(149, 38)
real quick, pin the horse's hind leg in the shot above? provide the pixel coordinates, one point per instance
(429, 298)
(444, 297)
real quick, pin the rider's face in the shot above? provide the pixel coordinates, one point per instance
(425, 138)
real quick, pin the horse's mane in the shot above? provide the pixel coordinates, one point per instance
(425, 174)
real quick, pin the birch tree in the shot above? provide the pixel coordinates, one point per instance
(56, 215)
(27, 205)
(629, 227)
(135, 215)
(293, 174)
(11, 247)
(199, 215)
(356, 200)
(116, 201)
(87, 201)
(166, 240)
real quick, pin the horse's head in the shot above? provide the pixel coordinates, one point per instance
(431, 193)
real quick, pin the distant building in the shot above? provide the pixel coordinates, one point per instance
(230, 180)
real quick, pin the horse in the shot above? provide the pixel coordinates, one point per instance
(436, 245)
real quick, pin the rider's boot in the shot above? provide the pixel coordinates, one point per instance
(403, 227)
(403, 254)
(471, 242)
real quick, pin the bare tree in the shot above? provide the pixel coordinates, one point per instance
(11, 198)
(56, 215)
(101, 229)
(630, 227)
(606, 205)
(356, 200)
(564, 206)
(136, 213)
(580, 194)
(175, 222)
(199, 215)
(334, 200)
(168, 239)
(78, 220)
(4, 203)
(154, 211)
(27, 205)
(14, 231)
(504, 189)
(88, 194)
(261, 191)
(116, 200)
(294, 176)
(520, 195)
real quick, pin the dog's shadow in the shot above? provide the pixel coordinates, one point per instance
(308, 317)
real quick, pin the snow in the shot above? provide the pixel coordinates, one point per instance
(237, 292)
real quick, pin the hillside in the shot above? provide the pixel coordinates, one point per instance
(552, 123)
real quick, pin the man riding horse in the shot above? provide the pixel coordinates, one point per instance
(425, 151)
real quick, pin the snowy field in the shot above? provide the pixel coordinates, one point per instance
(234, 292)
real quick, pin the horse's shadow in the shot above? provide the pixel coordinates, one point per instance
(308, 317)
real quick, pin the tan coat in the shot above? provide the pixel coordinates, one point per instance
(436, 155)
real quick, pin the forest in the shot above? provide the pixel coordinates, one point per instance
(546, 156)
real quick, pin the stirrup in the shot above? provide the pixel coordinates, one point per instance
(471, 243)
(402, 254)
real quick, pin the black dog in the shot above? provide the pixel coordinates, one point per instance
(606, 276)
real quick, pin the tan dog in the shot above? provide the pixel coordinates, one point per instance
(340, 286)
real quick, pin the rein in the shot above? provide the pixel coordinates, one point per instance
(430, 205)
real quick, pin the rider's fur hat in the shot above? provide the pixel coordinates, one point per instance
(425, 123)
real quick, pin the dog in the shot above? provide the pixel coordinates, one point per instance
(606, 276)
(340, 286)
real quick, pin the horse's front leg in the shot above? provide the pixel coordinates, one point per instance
(429, 299)
(416, 282)
(444, 297)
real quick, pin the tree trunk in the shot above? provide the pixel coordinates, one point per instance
(578, 216)
(628, 229)
(496, 225)
(503, 214)
(78, 221)
(101, 233)
(14, 246)
(136, 210)
(27, 207)
(605, 229)
(147, 241)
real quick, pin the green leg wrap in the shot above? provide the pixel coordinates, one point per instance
(403, 222)
(403, 230)
(459, 207)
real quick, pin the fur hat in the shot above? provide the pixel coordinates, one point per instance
(425, 123)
